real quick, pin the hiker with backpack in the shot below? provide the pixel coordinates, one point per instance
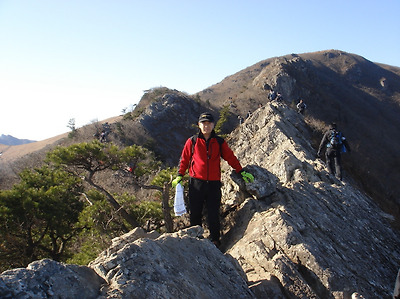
(202, 155)
(335, 144)
(279, 97)
(301, 107)
(271, 95)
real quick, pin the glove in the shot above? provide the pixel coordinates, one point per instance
(247, 177)
(176, 181)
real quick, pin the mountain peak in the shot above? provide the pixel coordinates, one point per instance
(10, 140)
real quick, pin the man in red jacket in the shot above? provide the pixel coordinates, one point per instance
(202, 155)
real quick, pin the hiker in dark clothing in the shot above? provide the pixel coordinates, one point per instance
(241, 119)
(279, 97)
(335, 144)
(301, 107)
(103, 136)
(202, 155)
(272, 95)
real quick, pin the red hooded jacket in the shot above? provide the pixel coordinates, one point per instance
(205, 161)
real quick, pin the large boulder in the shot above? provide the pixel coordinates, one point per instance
(178, 265)
(137, 265)
(49, 279)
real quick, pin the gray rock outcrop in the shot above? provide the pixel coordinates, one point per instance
(168, 121)
(178, 265)
(312, 236)
(50, 279)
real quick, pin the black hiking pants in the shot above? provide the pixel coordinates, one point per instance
(208, 194)
(333, 162)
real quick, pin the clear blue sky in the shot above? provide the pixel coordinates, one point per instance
(89, 59)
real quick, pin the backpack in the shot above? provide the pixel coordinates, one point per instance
(335, 140)
(219, 139)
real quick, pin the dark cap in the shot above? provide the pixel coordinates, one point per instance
(206, 116)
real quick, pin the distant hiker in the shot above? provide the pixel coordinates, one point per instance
(202, 155)
(271, 95)
(130, 167)
(106, 127)
(279, 97)
(241, 120)
(103, 136)
(104, 132)
(335, 144)
(301, 107)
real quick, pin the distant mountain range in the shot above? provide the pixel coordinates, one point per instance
(10, 140)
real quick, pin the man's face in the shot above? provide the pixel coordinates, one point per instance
(206, 127)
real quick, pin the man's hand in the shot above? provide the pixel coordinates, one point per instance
(176, 181)
(247, 177)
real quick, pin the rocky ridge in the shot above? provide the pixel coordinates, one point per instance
(296, 232)
(361, 96)
(310, 235)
